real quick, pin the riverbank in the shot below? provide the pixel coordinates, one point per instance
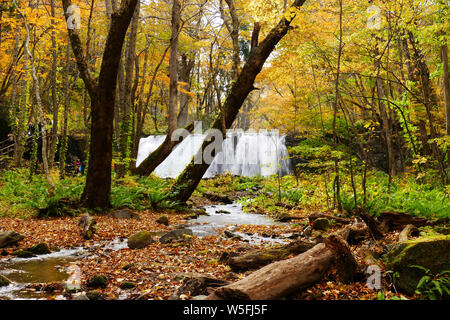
(159, 269)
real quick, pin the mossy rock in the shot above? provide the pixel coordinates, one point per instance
(95, 295)
(23, 254)
(178, 234)
(127, 285)
(4, 281)
(41, 248)
(163, 220)
(432, 253)
(9, 238)
(98, 281)
(140, 240)
(322, 224)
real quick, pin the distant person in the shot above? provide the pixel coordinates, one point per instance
(77, 166)
(82, 167)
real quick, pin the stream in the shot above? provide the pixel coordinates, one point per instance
(52, 268)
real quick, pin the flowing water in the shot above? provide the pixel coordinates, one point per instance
(227, 217)
(51, 268)
(47, 268)
(243, 154)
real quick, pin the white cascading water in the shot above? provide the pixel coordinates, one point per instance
(243, 154)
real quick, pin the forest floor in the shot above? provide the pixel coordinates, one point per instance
(159, 269)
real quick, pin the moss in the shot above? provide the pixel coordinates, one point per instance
(140, 240)
(41, 248)
(4, 281)
(98, 281)
(127, 285)
(431, 252)
(23, 254)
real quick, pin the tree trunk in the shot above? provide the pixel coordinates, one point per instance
(173, 69)
(55, 107)
(191, 176)
(185, 75)
(446, 89)
(126, 95)
(42, 120)
(97, 190)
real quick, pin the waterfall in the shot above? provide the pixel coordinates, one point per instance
(243, 154)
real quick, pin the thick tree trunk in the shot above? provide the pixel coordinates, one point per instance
(185, 75)
(126, 95)
(98, 182)
(173, 69)
(191, 176)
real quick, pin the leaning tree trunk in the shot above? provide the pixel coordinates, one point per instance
(97, 190)
(191, 176)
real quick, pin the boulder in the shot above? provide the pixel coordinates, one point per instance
(124, 214)
(163, 220)
(9, 238)
(322, 224)
(140, 240)
(98, 281)
(4, 281)
(95, 295)
(177, 234)
(23, 254)
(41, 248)
(432, 253)
(127, 285)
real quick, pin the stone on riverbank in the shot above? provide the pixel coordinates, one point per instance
(10, 238)
(41, 248)
(178, 234)
(163, 220)
(98, 281)
(140, 240)
(124, 214)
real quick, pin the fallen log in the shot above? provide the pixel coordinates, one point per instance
(281, 278)
(373, 225)
(318, 215)
(407, 231)
(255, 259)
(345, 262)
(398, 220)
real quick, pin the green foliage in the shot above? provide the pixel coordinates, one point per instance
(433, 287)
(20, 196)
